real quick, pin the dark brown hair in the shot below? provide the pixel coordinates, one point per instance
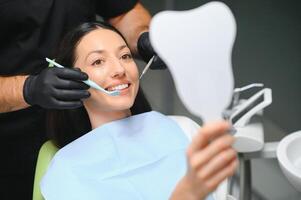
(64, 126)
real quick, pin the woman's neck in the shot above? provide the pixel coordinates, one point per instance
(98, 118)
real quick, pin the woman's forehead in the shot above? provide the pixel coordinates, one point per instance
(101, 39)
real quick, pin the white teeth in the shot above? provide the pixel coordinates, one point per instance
(119, 87)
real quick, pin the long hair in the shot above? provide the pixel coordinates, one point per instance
(64, 126)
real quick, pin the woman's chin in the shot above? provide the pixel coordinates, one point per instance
(123, 107)
(120, 106)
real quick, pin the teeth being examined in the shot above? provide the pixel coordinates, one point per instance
(118, 87)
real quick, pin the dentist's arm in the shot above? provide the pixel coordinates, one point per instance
(52, 88)
(11, 93)
(211, 160)
(131, 24)
(134, 26)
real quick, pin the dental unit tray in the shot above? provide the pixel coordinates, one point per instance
(243, 113)
(88, 82)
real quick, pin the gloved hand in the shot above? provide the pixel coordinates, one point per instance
(146, 52)
(56, 88)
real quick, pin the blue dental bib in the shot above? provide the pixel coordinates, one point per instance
(141, 157)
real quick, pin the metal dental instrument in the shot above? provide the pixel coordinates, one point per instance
(88, 82)
(147, 67)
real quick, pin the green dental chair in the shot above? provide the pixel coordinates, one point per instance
(46, 153)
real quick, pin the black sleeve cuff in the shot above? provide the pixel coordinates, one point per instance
(113, 8)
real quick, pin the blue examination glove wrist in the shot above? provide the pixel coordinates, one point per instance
(56, 88)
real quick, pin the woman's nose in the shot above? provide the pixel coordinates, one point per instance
(118, 69)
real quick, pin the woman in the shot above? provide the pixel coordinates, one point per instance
(130, 153)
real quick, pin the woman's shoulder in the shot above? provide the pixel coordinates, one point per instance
(189, 126)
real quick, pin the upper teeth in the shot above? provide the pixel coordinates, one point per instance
(119, 87)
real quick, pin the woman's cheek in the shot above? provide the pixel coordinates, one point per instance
(98, 76)
(134, 72)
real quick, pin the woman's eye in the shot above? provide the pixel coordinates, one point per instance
(97, 62)
(126, 56)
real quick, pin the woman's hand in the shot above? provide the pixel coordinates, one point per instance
(211, 159)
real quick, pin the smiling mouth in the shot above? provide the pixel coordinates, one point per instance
(119, 87)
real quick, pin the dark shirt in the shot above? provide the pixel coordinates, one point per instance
(30, 31)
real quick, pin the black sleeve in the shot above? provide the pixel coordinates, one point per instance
(112, 8)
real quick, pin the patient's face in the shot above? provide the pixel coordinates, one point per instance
(105, 57)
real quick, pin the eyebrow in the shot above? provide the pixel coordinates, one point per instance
(100, 51)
